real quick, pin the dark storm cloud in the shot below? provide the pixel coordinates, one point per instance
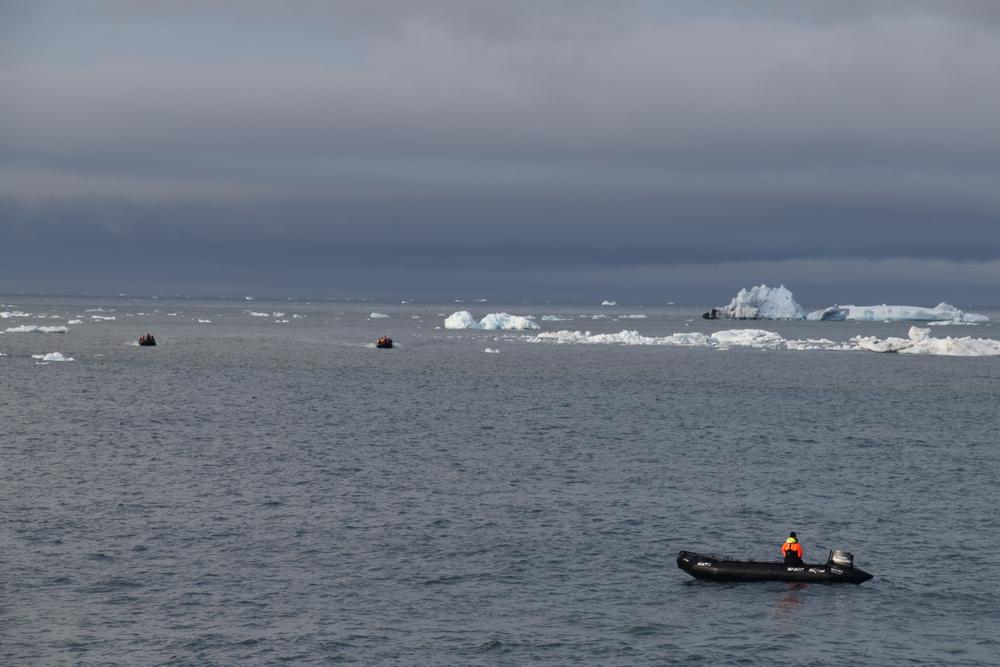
(573, 136)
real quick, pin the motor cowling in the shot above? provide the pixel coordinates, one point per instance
(842, 558)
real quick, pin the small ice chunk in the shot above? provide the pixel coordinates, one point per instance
(51, 356)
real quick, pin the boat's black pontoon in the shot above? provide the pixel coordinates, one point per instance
(839, 568)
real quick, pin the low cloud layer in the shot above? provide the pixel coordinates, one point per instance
(565, 137)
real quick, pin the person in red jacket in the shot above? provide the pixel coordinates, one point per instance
(792, 550)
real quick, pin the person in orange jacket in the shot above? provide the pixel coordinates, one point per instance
(792, 550)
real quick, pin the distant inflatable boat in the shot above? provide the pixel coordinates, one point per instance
(147, 340)
(839, 569)
(384, 343)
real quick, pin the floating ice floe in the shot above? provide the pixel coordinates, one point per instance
(638, 316)
(941, 312)
(6, 314)
(74, 322)
(51, 356)
(555, 318)
(760, 303)
(919, 341)
(102, 317)
(952, 323)
(201, 321)
(609, 303)
(463, 319)
(34, 328)
(491, 350)
(378, 316)
(720, 339)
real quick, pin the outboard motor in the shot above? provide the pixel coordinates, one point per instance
(842, 558)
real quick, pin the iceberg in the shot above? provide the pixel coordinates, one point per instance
(33, 328)
(884, 313)
(760, 303)
(919, 341)
(609, 303)
(463, 319)
(831, 314)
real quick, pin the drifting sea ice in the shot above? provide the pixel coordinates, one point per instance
(720, 339)
(919, 342)
(33, 328)
(378, 316)
(463, 319)
(51, 356)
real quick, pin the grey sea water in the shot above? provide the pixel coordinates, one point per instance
(255, 491)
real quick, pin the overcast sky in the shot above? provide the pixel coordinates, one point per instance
(644, 151)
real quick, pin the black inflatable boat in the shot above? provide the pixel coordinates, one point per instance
(839, 568)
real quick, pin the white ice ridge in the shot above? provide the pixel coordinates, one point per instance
(378, 316)
(463, 319)
(942, 312)
(51, 356)
(720, 339)
(761, 303)
(918, 343)
(32, 328)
